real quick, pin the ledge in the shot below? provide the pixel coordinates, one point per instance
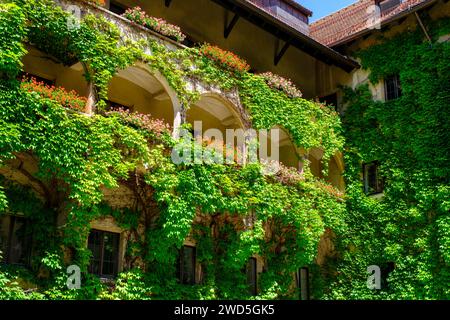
(129, 29)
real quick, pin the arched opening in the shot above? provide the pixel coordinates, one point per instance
(287, 153)
(137, 90)
(214, 112)
(217, 124)
(335, 171)
(315, 162)
(47, 69)
(335, 168)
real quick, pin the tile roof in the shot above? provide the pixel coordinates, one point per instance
(345, 23)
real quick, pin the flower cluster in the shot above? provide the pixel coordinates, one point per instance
(67, 99)
(226, 59)
(331, 190)
(279, 83)
(289, 176)
(137, 15)
(142, 121)
(216, 146)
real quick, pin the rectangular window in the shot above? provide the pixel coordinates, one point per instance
(105, 253)
(303, 283)
(186, 265)
(386, 6)
(386, 270)
(251, 271)
(110, 105)
(15, 240)
(392, 87)
(117, 8)
(373, 183)
(330, 100)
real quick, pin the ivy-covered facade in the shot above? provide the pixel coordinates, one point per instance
(92, 108)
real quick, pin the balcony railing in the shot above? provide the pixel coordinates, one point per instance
(129, 29)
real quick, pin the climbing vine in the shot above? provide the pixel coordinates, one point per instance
(243, 212)
(406, 232)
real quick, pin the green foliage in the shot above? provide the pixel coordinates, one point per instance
(12, 33)
(79, 156)
(303, 119)
(93, 41)
(409, 226)
(268, 107)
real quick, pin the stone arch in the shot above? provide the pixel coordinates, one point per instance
(46, 68)
(335, 171)
(288, 153)
(216, 111)
(145, 91)
(315, 156)
(335, 167)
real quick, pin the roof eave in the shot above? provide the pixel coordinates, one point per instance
(398, 16)
(288, 33)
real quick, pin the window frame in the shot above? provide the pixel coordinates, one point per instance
(117, 5)
(331, 99)
(116, 261)
(181, 272)
(27, 241)
(252, 263)
(394, 80)
(378, 180)
(386, 9)
(304, 288)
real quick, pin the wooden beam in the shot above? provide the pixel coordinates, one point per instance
(423, 27)
(230, 26)
(280, 55)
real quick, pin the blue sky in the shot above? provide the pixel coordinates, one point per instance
(322, 8)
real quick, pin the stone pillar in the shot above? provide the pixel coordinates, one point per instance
(179, 119)
(90, 104)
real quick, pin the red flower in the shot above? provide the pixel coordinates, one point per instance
(226, 59)
(66, 99)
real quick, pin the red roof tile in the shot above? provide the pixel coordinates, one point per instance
(341, 25)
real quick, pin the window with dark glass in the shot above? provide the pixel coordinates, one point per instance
(186, 265)
(387, 6)
(303, 283)
(110, 105)
(373, 183)
(15, 240)
(105, 253)
(386, 270)
(251, 271)
(330, 100)
(29, 76)
(392, 87)
(117, 8)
